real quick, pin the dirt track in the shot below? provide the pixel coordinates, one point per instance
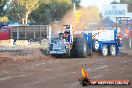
(64, 73)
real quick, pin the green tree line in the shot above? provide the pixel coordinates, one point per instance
(50, 12)
(35, 11)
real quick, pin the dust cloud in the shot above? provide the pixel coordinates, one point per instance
(80, 21)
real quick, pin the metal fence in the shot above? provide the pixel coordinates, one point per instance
(35, 32)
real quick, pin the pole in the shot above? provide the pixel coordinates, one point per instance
(17, 33)
(116, 22)
(130, 42)
(74, 7)
(10, 31)
(25, 32)
(49, 34)
(40, 31)
(34, 32)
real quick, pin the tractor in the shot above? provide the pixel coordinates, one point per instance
(69, 44)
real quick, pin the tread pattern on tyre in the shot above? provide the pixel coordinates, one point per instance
(110, 51)
(94, 45)
(102, 50)
(79, 47)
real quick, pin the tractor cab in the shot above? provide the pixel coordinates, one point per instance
(63, 44)
(68, 33)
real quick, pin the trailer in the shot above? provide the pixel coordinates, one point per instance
(82, 44)
(106, 42)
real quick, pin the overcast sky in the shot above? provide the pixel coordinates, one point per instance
(98, 3)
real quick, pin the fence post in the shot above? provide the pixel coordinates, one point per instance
(34, 32)
(40, 32)
(11, 33)
(47, 31)
(25, 32)
(17, 33)
(49, 34)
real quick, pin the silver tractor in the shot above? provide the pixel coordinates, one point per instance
(63, 44)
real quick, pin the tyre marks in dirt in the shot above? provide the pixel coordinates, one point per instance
(62, 73)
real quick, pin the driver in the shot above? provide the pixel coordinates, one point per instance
(66, 35)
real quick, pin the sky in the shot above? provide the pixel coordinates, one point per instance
(98, 3)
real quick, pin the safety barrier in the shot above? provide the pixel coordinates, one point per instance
(6, 43)
(22, 43)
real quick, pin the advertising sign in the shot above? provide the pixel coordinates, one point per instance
(115, 10)
(77, 16)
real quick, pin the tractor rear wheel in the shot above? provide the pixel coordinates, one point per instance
(81, 47)
(89, 51)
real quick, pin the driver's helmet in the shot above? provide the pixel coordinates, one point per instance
(67, 30)
(67, 27)
(66, 33)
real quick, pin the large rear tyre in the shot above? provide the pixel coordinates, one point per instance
(89, 51)
(81, 47)
(112, 50)
(104, 50)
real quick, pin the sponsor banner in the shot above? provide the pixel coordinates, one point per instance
(115, 10)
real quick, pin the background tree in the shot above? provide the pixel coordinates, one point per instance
(76, 2)
(53, 11)
(126, 1)
(2, 4)
(41, 15)
(4, 19)
(59, 8)
(27, 6)
(129, 2)
(39, 11)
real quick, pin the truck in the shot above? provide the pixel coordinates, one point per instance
(83, 43)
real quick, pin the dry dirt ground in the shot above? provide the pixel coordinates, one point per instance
(32, 69)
